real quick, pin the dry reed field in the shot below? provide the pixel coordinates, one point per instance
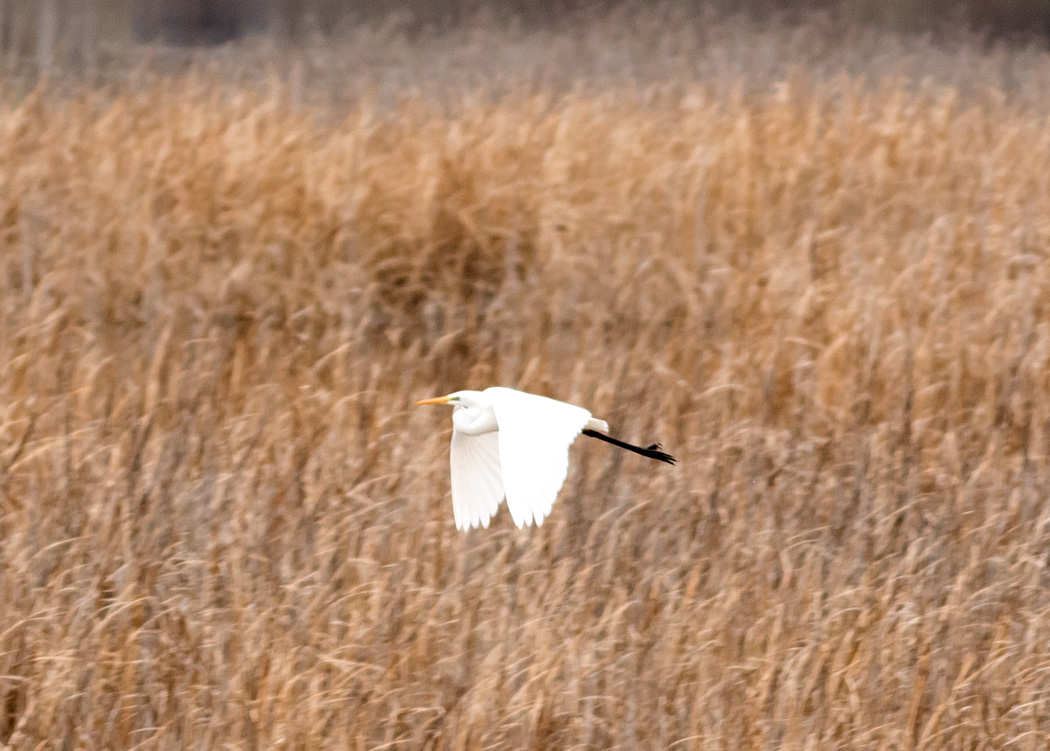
(224, 525)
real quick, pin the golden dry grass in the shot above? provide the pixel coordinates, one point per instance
(222, 523)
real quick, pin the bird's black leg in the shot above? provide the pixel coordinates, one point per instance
(653, 451)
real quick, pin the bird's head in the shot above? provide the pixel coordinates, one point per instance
(456, 399)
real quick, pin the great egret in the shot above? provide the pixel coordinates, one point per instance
(507, 443)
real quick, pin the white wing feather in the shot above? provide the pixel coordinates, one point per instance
(534, 438)
(477, 485)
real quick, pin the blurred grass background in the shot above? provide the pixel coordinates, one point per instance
(809, 257)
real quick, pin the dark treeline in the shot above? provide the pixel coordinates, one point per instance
(220, 20)
(38, 25)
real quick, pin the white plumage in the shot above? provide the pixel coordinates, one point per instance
(534, 438)
(513, 445)
(477, 479)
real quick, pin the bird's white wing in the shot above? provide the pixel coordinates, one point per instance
(477, 485)
(534, 438)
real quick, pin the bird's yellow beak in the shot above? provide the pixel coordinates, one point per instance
(435, 400)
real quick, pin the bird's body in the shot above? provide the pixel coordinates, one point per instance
(507, 443)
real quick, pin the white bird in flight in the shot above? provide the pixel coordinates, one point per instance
(507, 443)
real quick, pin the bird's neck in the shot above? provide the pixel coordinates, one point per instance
(474, 421)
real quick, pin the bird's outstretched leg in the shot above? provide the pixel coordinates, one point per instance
(653, 451)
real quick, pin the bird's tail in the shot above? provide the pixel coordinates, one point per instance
(599, 425)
